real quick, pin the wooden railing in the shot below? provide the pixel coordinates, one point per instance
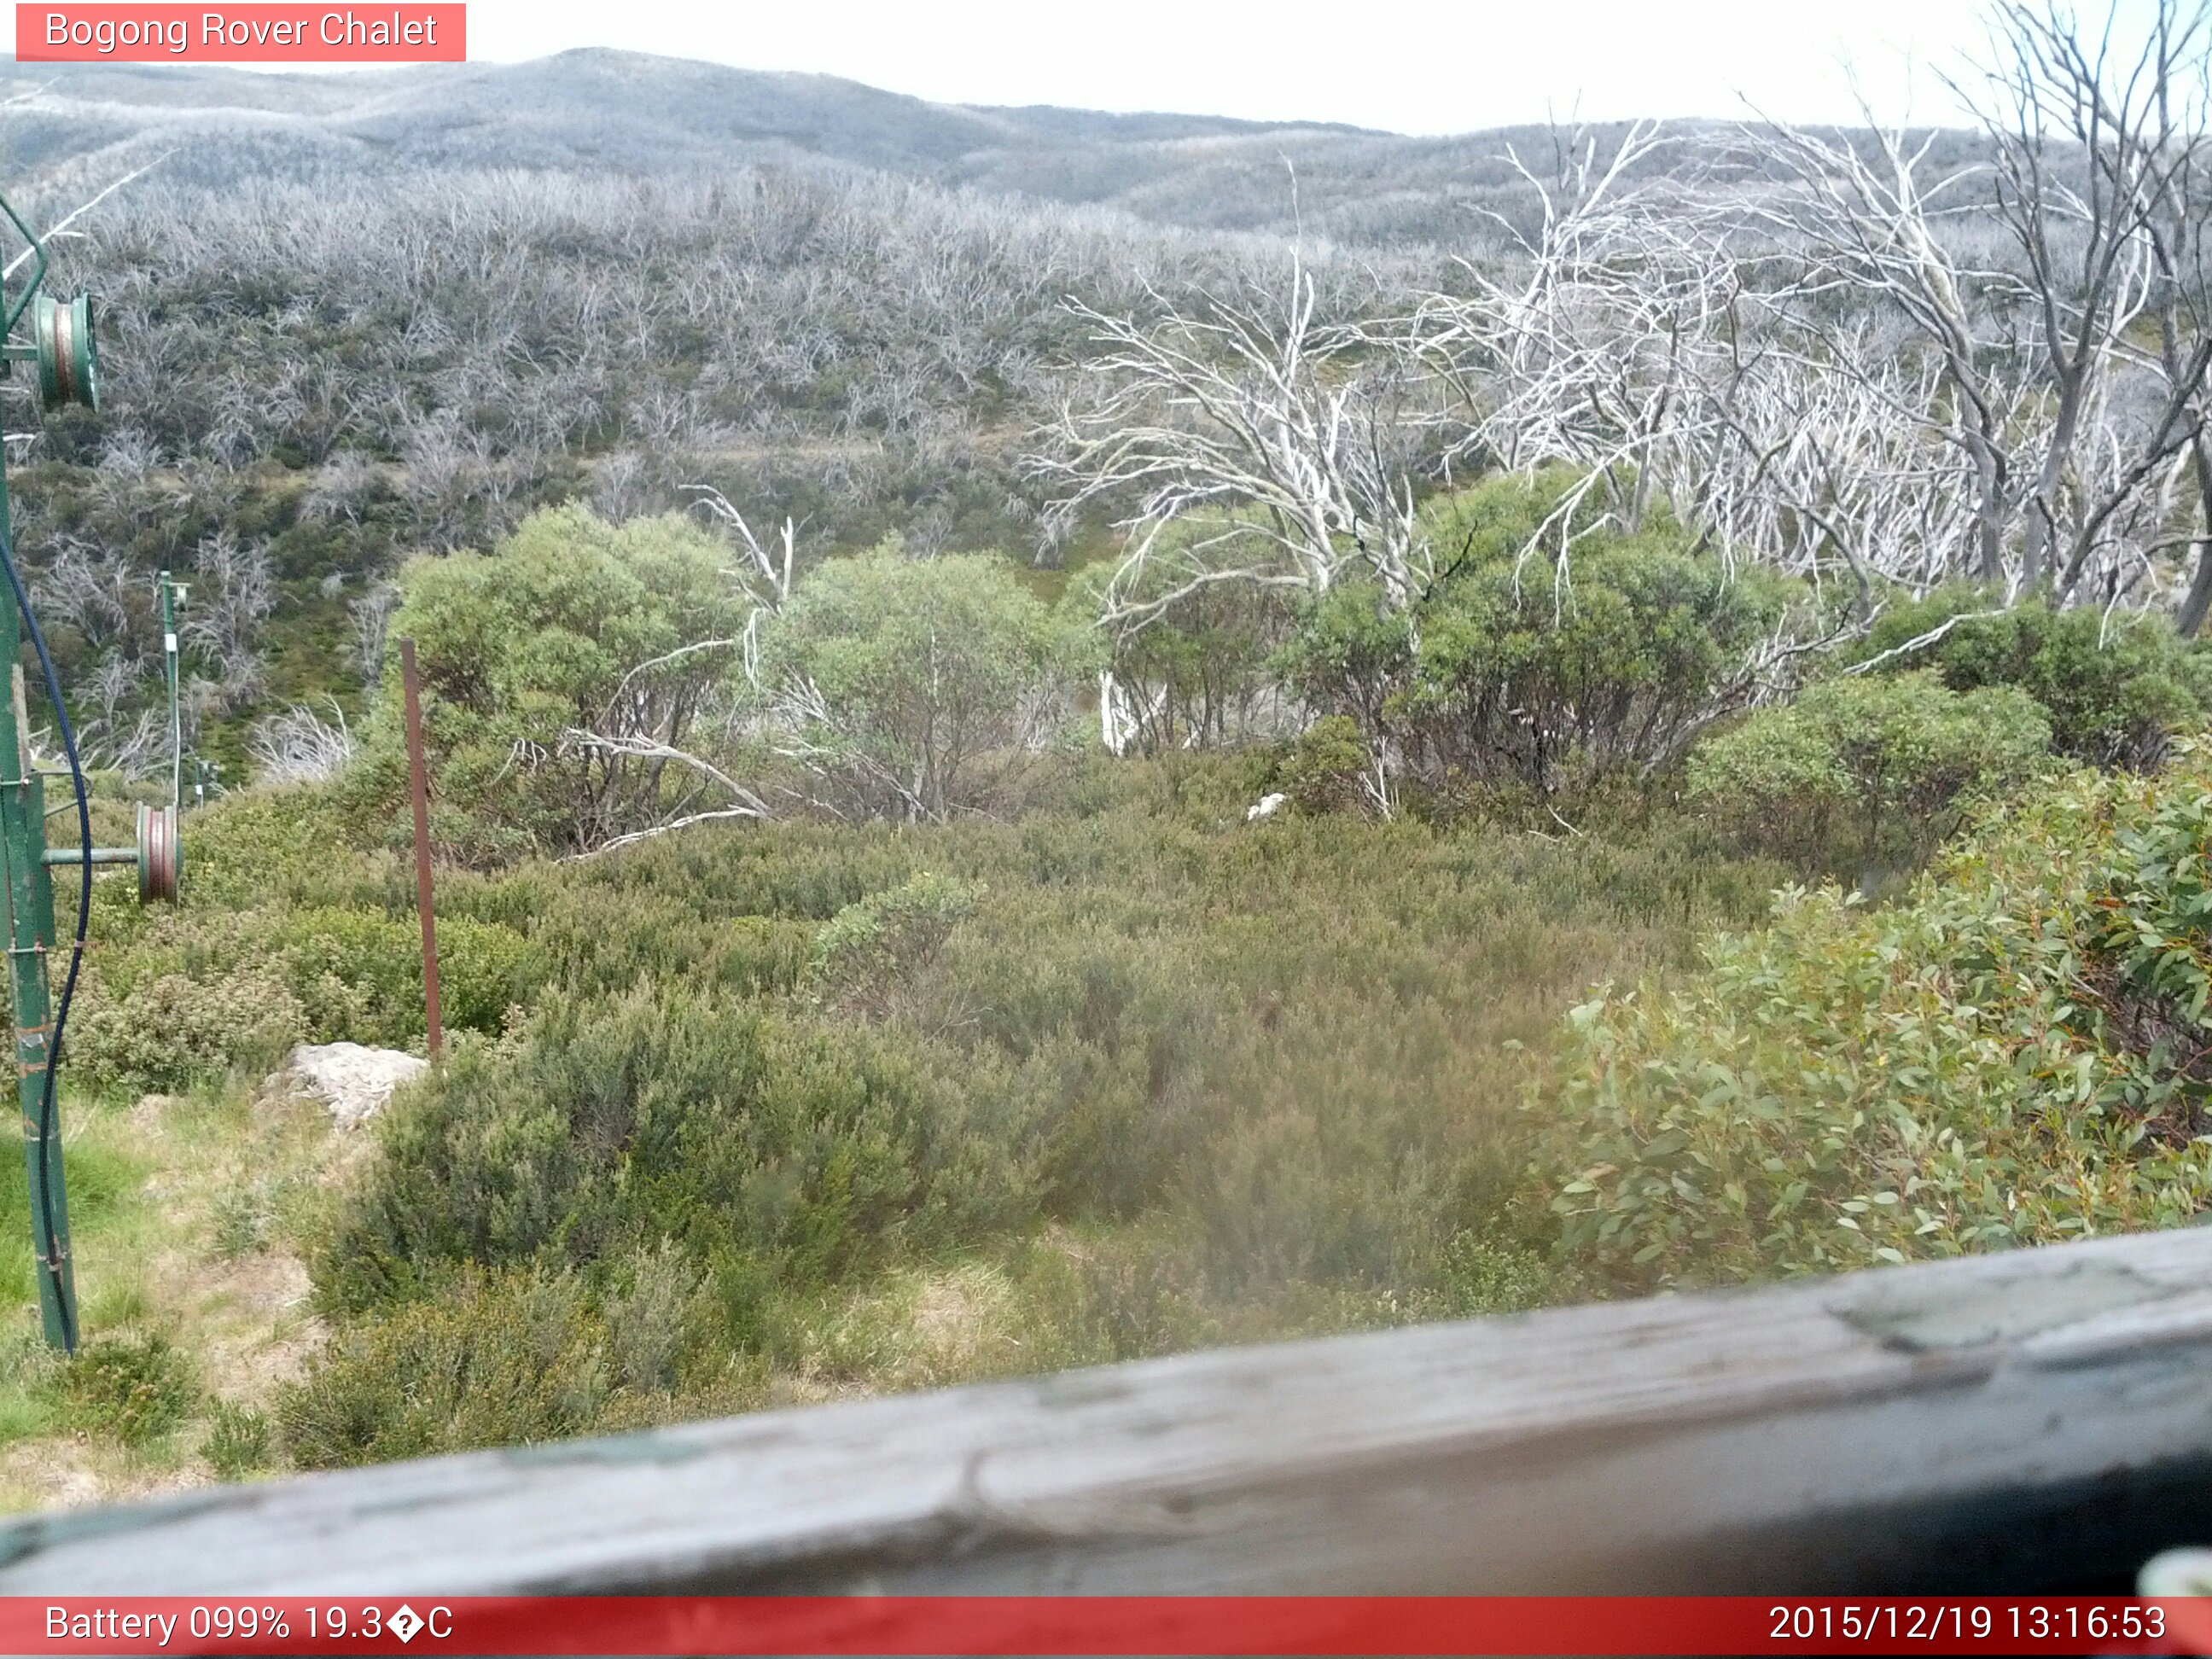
(2032, 1421)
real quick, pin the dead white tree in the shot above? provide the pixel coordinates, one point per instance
(371, 619)
(2098, 133)
(2032, 364)
(1812, 376)
(1646, 343)
(1284, 448)
(1588, 349)
(1818, 458)
(765, 575)
(235, 592)
(299, 746)
(2101, 147)
(1870, 232)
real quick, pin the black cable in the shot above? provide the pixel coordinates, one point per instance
(53, 1262)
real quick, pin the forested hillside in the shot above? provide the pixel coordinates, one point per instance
(602, 112)
(1042, 750)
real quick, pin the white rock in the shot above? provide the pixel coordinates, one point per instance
(354, 1082)
(1265, 807)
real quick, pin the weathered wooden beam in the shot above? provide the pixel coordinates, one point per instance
(1981, 1423)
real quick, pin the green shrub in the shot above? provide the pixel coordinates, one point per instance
(758, 1140)
(522, 644)
(237, 1443)
(495, 1359)
(2011, 1056)
(136, 1388)
(171, 1031)
(484, 968)
(1197, 672)
(653, 1312)
(1353, 655)
(1485, 1276)
(1135, 1296)
(359, 973)
(937, 678)
(1873, 770)
(2116, 688)
(249, 848)
(1324, 769)
(862, 951)
(1525, 670)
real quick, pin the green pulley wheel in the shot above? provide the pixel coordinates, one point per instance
(160, 854)
(69, 362)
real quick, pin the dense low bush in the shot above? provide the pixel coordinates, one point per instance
(915, 688)
(864, 951)
(495, 1361)
(778, 1152)
(2115, 688)
(1193, 661)
(2017, 1053)
(1542, 671)
(204, 992)
(566, 627)
(286, 934)
(169, 1031)
(136, 1387)
(1867, 773)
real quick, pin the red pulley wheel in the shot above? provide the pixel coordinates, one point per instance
(161, 857)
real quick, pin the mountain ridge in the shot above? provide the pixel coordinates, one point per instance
(71, 128)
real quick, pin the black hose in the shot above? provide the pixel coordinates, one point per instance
(53, 1258)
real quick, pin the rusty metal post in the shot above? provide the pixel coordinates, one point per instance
(419, 782)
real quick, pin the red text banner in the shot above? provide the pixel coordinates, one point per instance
(1096, 1627)
(260, 33)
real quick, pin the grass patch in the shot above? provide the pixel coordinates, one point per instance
(191, 1316)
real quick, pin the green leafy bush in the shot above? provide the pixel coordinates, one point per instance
(484, 969)
(2014, 1055)
(2116, 688)
(136, 1388)
(1353, 656)
(170, 1032)
(238, 1441)
(257, 846)
(1873, 770)
(359, 973)
(654, 1311)
(922, 686)
(1487, 1276)
(201, 992)
(1323, 769)
(1550, 675)
(1197, 673)
(522, 644)
(765, 1144)
(495, 1359)
(863, 951)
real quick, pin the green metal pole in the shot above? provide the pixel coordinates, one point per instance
(176, 719)
(28, 892)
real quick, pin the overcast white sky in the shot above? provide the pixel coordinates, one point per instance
(1409, 65)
